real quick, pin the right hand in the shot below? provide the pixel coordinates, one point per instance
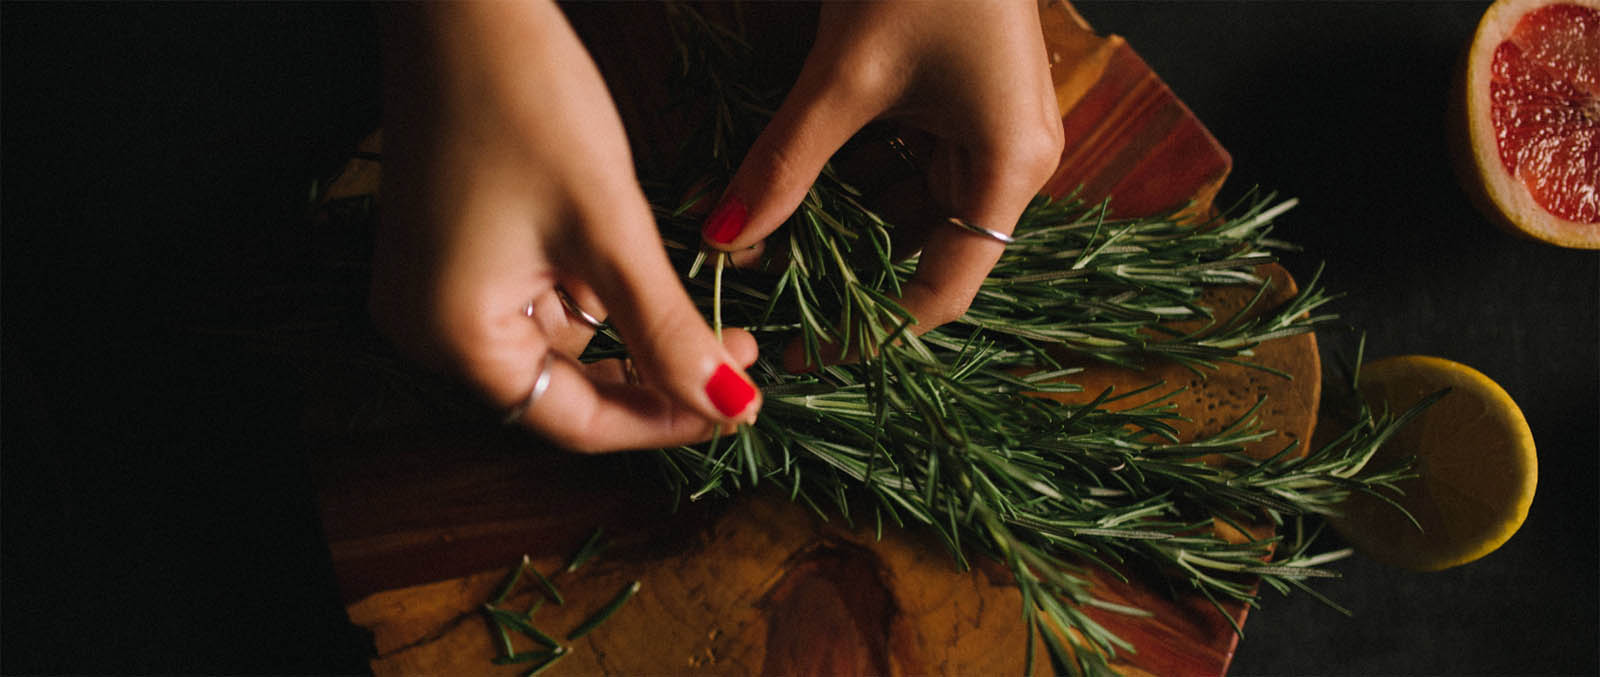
(507, 176)
(974, 77)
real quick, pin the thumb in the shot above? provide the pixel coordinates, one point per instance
(818, 116)
(673, 349)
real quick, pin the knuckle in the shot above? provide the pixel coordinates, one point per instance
(850, 71)
(859, 80)
(954, 306)
(675, 337)
(453, 335)
(940, 305)
(773, 163)
(573, 430)
(1035, 151)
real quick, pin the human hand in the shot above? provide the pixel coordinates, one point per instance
(507, 182)
(974, 76)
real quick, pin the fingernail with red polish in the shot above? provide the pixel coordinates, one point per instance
(729, 392)
(726, 221)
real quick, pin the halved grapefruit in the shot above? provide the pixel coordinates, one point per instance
(1530, 119)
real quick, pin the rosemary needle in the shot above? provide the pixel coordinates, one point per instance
(515, 622)
(505, 638)
(587, 551)
(510, 581)
(549, 588)
(604, 612)
(545, 665)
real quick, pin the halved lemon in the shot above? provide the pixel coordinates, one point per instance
(1527, 119)
(1475, 459)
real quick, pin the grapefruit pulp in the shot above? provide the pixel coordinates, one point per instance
(1530, 99)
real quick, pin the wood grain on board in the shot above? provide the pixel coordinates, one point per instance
(424, 521)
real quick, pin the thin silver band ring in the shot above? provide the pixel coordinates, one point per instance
(572, 309)
(540, 386)
(990, 233)
(578, 312)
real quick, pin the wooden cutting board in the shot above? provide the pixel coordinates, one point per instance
(423, 521)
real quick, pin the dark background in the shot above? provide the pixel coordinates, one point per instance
(156, 162)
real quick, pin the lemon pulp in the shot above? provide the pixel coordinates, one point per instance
(1474, 456)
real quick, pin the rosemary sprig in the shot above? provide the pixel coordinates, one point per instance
(944, 429)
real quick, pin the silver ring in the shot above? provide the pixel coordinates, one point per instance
(540, 385)
(990, 233)
(573, 309)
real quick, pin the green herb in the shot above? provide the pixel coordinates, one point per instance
(549, 589)
(506, 648)
(510, 581)
(502, 620)
(604, 612)
(945, 430)
(516, 622)
(587, 551)
(546, 663)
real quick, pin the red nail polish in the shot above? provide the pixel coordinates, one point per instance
(729, 392)
(726, 221)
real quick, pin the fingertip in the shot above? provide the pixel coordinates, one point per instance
(741, 346)
(726, 222)
(732, 392)
(811, 124)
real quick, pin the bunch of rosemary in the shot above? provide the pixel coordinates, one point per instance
(945, 430)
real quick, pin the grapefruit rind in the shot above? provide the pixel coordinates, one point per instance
(1501, 196)
(1475, 457)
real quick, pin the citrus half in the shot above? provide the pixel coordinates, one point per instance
(1474, 457)
(1528, 119)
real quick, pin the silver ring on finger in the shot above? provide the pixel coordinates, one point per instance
(541, 385)
(575, 310)
(990, 233)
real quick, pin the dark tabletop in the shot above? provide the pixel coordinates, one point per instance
(158, 514)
